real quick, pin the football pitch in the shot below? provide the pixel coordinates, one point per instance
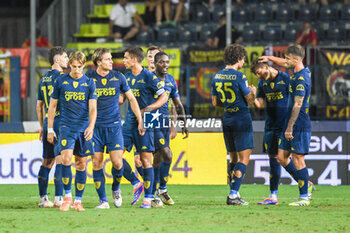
(197, 209)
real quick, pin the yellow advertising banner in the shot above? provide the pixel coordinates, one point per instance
(200, 159)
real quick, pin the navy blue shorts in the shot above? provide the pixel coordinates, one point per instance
(161, 138)
(75, 140)
(132, 137)
(300, 143)
(270, 143)
(111, 137)
(49, 150)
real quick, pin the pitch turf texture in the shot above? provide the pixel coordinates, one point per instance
(196, 209)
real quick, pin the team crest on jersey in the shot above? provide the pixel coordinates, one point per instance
(160, 84)
(75, 84)
(80, 187)
(162, 141)
(65, 83)
(281, 82)
(114, 79)
(64, 142)
(147, 184)
(65, 180)
(97, 184)
(272, 85)
(133, 82)
(104, 81)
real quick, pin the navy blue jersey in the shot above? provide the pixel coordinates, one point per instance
(144, 87)
(108, 89)
(73, 96)
(275, 93)
(230, 86)
(172, 92)
(46, 86)
(300, 85)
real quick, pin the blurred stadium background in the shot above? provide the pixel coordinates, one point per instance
(267, 27)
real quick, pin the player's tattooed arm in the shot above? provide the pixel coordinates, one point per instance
(298, 102)
(181, 114)
(250, 98)
(41, 115)
(277, 60)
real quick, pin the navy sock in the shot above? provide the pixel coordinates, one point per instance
(140, 170)
(117, 177)
(129, 174)
(58, 180)
(230, 168)
(43, 180)
(67, 178)
(99, 181)
(164, 174)
(290, 168)
(275, 175)
(303, 181)
(237, 181)
(148, 181)
(80, 181)
(156, 171)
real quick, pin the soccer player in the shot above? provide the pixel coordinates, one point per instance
(230, 89)
(273, 92)
(108, 129)
(296, 135)
(144, 86)
(59, 60)
(163, 155)
(76, 94)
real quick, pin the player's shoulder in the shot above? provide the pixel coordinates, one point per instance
(116, 74)
(303, 75)
(149, 75)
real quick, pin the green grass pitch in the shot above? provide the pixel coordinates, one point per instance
(197, 209)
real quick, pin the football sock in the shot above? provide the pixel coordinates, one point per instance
(303, 181)
(129, 174)
(67, 178)
(80, 181)
(164, 174)
(148, 181)
(290, 168)
(156, 171)
(43, 180)
(275, 175)
(99, 181)
(117, 177)
(140, 170)
(58, 180)
(237, 181)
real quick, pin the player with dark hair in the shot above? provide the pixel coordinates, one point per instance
(76, 94)
(59, 60)
(163, 155)
(108, 129)
(273, 92)
(230, 89)
(296, 134)
(144, 86)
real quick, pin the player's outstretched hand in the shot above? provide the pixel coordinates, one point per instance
(185, 132)
(89, 132)
(263, 59)
(288, 134)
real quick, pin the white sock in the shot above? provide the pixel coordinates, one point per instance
(233, 196)
(161, 191)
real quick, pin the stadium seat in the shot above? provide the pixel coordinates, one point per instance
(321, 34)
(145, 36)
(306, 13)
(206, 32)
(284, 13)
(336, 33)
(328, 13)
(166, 35)
(345, 12)
(218, 11)
(290, 34)
(200, 14)
(262, 13)
(241, 14)
(93, 30)
(251, 33)
(187, 34)
(272, 34)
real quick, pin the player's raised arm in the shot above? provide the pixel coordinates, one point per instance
(277, 60)
(50, 117)
(136, 109)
